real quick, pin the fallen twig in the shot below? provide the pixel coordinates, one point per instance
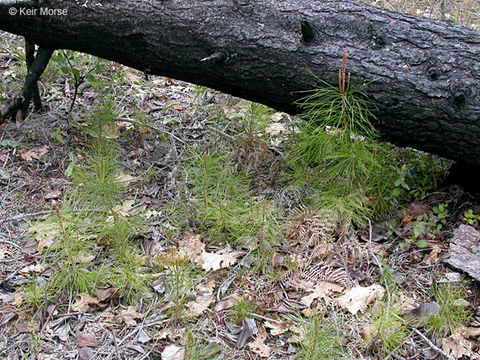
(131, 121)
(21, 216)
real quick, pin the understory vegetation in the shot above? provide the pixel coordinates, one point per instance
(192, 225)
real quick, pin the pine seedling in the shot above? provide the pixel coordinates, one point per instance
(453, 310)
(337, 155)
(321, 340)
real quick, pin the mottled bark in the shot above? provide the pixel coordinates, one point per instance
(423, 74)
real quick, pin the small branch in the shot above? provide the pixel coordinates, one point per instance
(153, 128)
(21, 216)
(115, 343)
(436, 348)
(10, 243)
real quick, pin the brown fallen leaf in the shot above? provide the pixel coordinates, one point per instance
(258, 346)
(34, 268)
(84, 303)
(424, 310)
(12, 299)
(85, 353)
(190, 246)
(357, 298)
(472, 332)
(225, 304)
(128, 316)
(86, 340)
(211, 261)
(83, 258)
(457, 346)
(278, 328)
(105, 294)
(173, 352)
(36, 153)
(203, 299)
(323, 291)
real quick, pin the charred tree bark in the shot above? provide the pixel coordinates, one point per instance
(423, 74)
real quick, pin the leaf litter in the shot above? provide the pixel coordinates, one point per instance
(316, 273)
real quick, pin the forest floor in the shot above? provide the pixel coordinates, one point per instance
(228, 259)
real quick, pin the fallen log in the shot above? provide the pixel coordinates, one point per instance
(423, 74)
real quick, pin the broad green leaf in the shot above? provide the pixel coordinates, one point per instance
(421, 244)
(4, 174)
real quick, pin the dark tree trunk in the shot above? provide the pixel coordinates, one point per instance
(423, 74)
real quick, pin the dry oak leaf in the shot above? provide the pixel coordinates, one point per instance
(258, 346)
(36, 153)
(457, 346)
(84, 302)
(84, 340)
(125, 209)
(83, 258)
(173, 352)
(128, 316)
(323, 291)
(105, 294)
(203, 299)
(278, 328)
(85, 353)
(357, 298)
(4, 252)
(12, 299)
(433, 256)
(190, 247)
(45, 234)
(472, 332)
(225, 304)
(170, 334)
(211, 261)
(34, 268)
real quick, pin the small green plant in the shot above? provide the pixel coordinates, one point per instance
(242, 310)
(321, 340)
(198, 350)
(224, 207)
(453, 309)
(441, 211)
(9, 144)
(57, 136)
(73, 162)
(400, 183)
(34, 295)
(423, 230)
(180, 277)
(387, 330)
(77, 68)
(35, 337)
(392, 229)
(95, 224)
(470, 218)
(337, 156)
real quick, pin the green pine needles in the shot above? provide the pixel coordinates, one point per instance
(337, 157)
(91, 235)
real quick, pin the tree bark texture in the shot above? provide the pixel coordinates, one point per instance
(423, 74)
